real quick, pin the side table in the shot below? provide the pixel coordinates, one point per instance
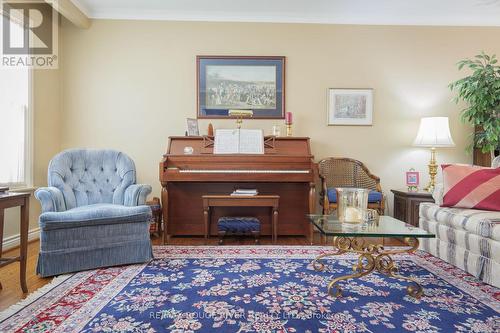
(406, 205)
(271, 201)
(9, 200)
(156, 225)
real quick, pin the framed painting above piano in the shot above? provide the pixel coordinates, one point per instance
(250, 83)
(286, 169)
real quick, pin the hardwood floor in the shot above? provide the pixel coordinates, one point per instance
(9, 275)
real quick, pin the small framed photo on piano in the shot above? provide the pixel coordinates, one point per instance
(192, 127)
(252, 83)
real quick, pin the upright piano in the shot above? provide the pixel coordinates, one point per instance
(286, 168)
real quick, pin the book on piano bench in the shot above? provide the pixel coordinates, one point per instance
(243, 192)
(239, 141)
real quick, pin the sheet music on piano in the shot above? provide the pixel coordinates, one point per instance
(239, 141)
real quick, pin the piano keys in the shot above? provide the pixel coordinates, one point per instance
(286, 168)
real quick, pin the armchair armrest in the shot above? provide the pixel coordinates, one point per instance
(135, 195)
(51, 198)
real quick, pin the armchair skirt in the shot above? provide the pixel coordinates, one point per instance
(93, 236)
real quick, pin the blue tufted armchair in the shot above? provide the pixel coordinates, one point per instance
(93, 213)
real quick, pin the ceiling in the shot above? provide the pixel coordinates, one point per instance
(381, 12)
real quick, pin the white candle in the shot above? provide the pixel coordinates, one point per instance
(352, 214)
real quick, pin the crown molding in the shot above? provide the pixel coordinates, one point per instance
(86, 11)
(484, 14)
(120, 14)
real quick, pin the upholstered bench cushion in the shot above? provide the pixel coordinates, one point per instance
(373, 196)
(238, 224)
(98, 214)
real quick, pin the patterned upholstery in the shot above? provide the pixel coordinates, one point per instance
(466, 238)
(93, 213)
(238, 225)
(496, 162)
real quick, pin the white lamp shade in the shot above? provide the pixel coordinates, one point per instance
(434, 132)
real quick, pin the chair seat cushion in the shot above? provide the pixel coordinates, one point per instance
(373, 196)
(238, 224)
(98, 214)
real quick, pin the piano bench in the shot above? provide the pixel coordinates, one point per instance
(238, 226)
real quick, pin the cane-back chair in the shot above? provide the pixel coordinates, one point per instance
(347, 172)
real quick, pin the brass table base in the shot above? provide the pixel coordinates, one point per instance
(371, 257)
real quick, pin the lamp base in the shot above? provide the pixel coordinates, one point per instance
(433, 169)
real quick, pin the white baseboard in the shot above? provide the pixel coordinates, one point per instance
(15, 240)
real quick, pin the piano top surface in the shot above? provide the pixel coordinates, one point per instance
(283, 146)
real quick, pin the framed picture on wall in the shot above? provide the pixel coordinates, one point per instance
(350, 106)
(238, 83)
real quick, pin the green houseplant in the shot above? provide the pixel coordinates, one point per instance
(481, 91)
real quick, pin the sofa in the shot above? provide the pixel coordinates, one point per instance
(466, 238)
(93, 213)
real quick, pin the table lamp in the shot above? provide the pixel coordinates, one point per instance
(434, 132)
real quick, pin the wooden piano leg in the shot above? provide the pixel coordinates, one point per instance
(164, 207)
(275, 225)
(312, 208)
(206, 218)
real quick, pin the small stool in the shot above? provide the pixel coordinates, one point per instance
(238, 226)
(156, 219)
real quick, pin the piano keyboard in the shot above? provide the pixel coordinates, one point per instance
(244, 171)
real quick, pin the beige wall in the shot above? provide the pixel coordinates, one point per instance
(130, 84)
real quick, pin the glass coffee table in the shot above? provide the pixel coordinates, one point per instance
(352, 238)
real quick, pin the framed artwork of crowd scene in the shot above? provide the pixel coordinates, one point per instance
(254, 84)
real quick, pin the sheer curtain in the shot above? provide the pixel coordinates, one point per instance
(14, 125)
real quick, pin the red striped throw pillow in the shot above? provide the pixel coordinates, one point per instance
(468, 186)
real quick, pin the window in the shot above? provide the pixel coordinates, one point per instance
(15, 126)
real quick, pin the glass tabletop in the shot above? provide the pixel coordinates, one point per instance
(387, 226)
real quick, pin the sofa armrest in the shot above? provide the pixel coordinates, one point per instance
(135, 195)
(51, 198)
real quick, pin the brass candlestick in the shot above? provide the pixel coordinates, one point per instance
(288, 129)
(433, 169)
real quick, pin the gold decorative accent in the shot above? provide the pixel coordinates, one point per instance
(433, 170)
(371, 257)
(288, 129)
(239, 115)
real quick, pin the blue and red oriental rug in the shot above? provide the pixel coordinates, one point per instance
(256, 289)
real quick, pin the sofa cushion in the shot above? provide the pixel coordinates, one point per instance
(468, 186)
(480, 222)
(373, 196)
(98, 214)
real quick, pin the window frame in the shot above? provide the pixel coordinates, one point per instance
(27, 183)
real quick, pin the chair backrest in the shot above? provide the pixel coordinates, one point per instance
(87, 176)
(347, 172)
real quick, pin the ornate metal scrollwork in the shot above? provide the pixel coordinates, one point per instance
(371, 257)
